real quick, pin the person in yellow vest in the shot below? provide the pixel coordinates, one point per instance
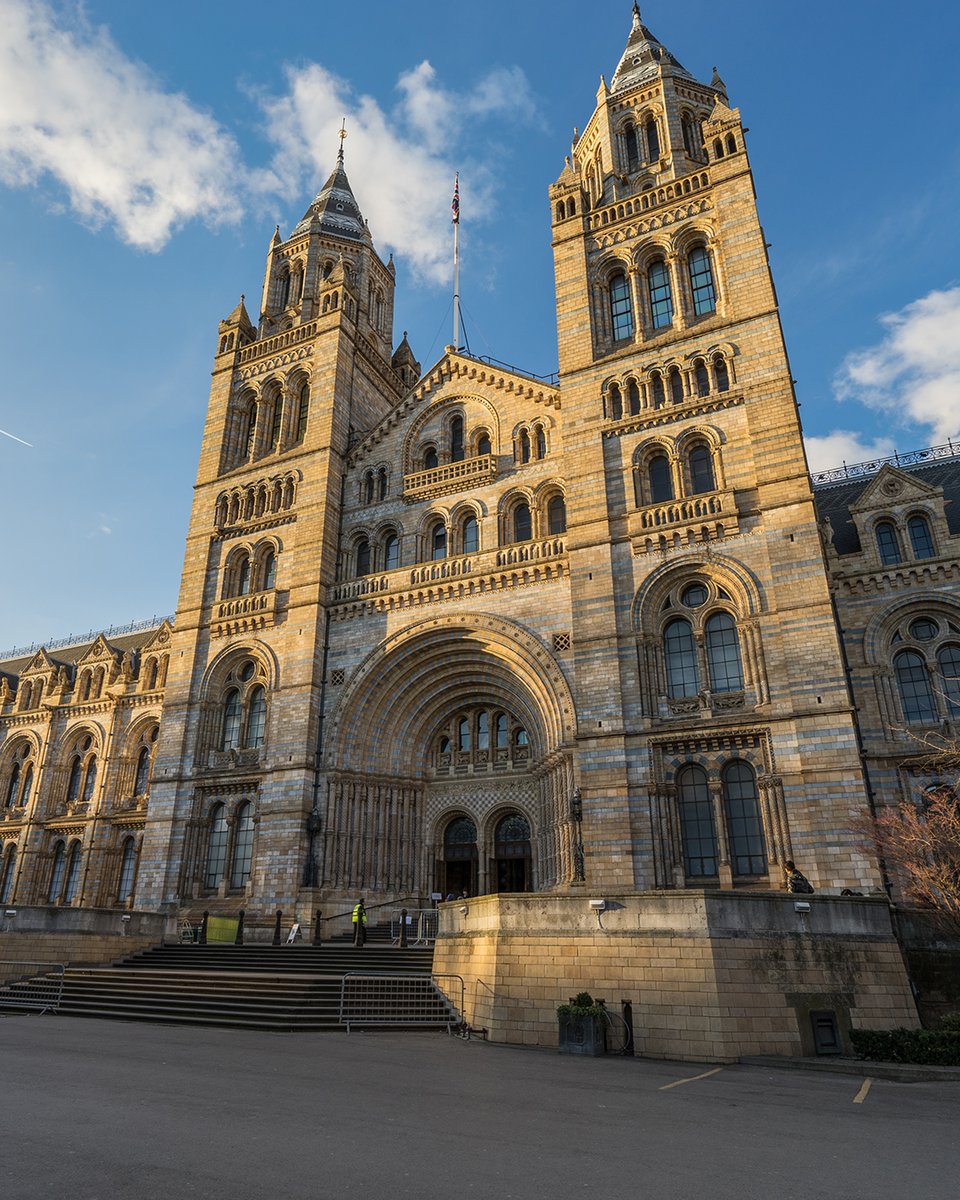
(359, 924)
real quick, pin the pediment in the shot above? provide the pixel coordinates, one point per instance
(98, 652)
(723, 114)
(891, 488)
(40, 664)
(160, 640)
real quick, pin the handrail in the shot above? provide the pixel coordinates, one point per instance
(372, 907)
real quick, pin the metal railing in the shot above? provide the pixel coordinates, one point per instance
(909, 458)
(422, 924)
(401, 1001)
(25, 988)
(78, 639)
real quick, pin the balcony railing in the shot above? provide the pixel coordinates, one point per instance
(241, 613)
(450, 477)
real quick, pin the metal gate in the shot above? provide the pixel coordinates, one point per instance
(402, 1001)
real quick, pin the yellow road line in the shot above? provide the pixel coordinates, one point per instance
(864, 1089)
(692, 1079)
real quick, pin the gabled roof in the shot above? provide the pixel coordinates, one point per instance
(643, 58)
(336, 208)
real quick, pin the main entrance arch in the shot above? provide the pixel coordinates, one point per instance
(461, 717)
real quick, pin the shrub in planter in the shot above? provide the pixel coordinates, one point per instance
(936, 1047)
(583, 1026)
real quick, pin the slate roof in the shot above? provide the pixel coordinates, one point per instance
(336, 208)
(642, 58)
(833, 500)
(73, 654)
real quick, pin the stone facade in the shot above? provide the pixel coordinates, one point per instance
(467, 629)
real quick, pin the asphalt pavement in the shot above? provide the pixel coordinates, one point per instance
(101, 1110)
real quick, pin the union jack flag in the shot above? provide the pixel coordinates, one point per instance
(455, 205)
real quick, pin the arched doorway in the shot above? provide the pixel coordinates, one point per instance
(458, 869)
(511, 868)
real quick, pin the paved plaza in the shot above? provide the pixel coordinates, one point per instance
(97, 1110)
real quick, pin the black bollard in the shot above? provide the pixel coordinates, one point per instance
(276, 928)
(202, 939)
(238, 940)
(403, 929)
(317, 932)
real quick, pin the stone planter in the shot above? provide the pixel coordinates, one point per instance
(582, 1035)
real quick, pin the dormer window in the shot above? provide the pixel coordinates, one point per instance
(888, 545)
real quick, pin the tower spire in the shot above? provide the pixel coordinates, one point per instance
(342, 134)
(637, 22)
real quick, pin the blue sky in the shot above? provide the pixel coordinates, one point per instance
(147, 151)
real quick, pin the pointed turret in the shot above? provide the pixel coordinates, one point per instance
(335, 208)
(404, 362)
(643, 58)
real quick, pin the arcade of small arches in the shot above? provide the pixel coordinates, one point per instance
(250, 569)
(268, 497)
(267, 421)
(497, 857)
(522, 516)
(633, 395)
(666, 469)
(477, 739)
(891, 534)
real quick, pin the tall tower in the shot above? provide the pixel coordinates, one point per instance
(234, 777)
(715, 720)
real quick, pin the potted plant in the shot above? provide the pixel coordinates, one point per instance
(583, 1025)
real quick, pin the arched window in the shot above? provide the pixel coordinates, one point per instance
(524, 446)
(721, 373)
(631, 146)
(13, 788)
(483, 444)
(701, 282)
(500, 731)
(363, 557)
(653, 140)
(76, 776)
(723, 654)
(744, 827)
(56, 874)
(633, 397)
(700, 467)
(702, 377)
(656, 386)
(541, 442)
(251, 435)
(7, 869)
(269, 571)
(556, 516)
(27, 787)
(683, 677)
(690, 139)
(128, 869)
(921, 538)
(216, 847)
(141, 781)
(463, 735)
(242, 846)
(888, 544)
(303, 412)
(73, 873)
(460, 838)
(232, 716)
(276, 423)
(660, 477)
(520, 738)
(614, 402)
(391, 552)
(368, 488)
(483, 731)
(916, 694)
(283, 290)
(382, 484)
(256, 718)
(430, 459)
(661, 294)
(731, 144)
(948, 660)
(90, 779)
(438, 541)
(522, 523)
(676, 386)
(697, 828)
(456, 440)
(621, 307)
(243, 576)
(470, 534)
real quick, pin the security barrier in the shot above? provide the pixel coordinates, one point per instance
(31, 986)
(401, 1001)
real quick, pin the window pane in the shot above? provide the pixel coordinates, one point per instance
(303, 410)
(701, 282)
(659, 396)
(661, 295)
(456, 439)
(242, 847)
(73, 874)
(363, 558)
(916, 695)
(948, 659)
(696, 824)
(722, 374)
(653, 141)
(621, 308)
(73, 783)
(27, 787)
(501, 731)
(744, 827)
(483, 444)
(269, 571)
(471, 536)
(483, 731)
(522, 523)
(243, 577)
(703, 380)
(887, 543)
(632, 146)
(13, 789)
(920, 538)
(56, 877)
(90, 780)
(676, 387)
(557, 515)
(128, 864)
(723, 654)
(682, 675)
(216, 848)
(391, 552)
(701, 470)
(438, 542)
(6, 875)
(463, 735)
(143, 773)
(257, 718)
(661, 482)
(231, 721)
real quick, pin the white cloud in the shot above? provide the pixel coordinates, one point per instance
(913, 374)
(72, 106)
(843, 446)
(400, 164)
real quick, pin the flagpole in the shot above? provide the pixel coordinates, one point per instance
(456, 263)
